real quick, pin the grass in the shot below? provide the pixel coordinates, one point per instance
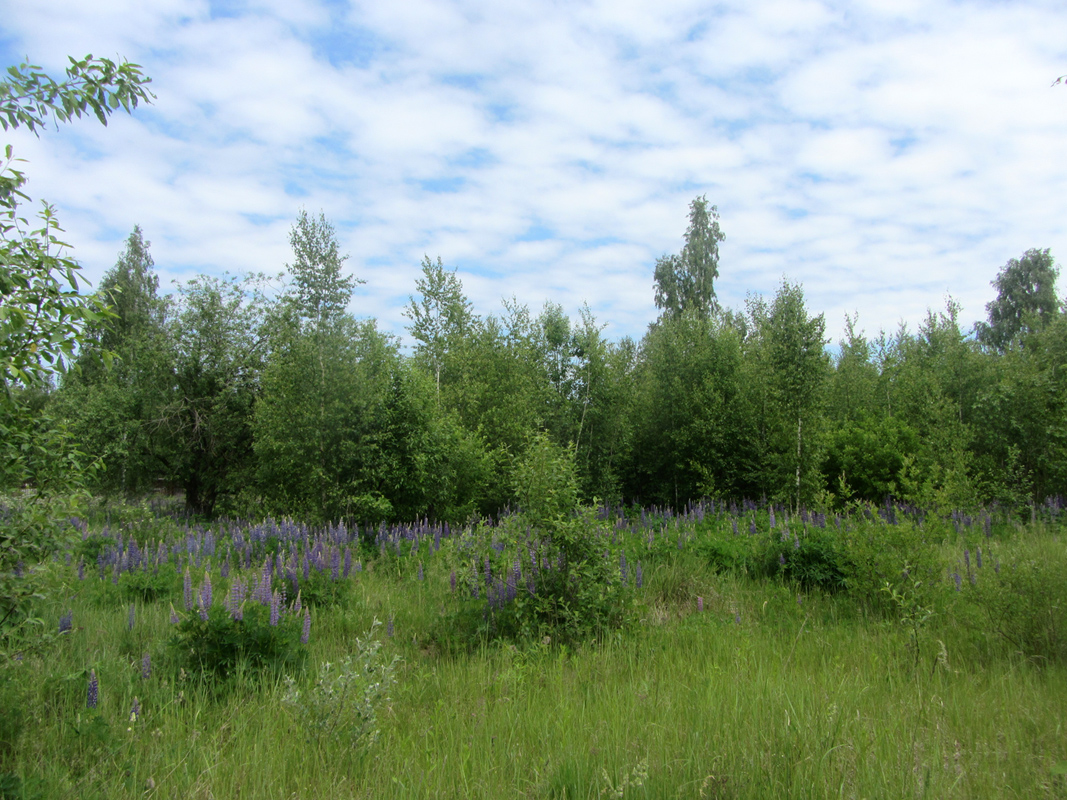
(772, 691)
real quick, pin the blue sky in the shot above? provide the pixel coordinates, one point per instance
(883, 153)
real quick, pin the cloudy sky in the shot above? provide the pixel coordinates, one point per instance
(883, 153)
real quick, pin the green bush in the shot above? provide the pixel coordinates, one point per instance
(1021, 596)
(219, 645)
(901, 556)
(576, 589)
(149, 585)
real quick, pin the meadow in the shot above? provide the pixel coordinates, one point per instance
(761, 653)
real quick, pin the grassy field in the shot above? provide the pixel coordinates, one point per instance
(726, 683)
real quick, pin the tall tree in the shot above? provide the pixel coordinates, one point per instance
(1026, 299)
(797, 366)
(687, 281)
(114, 409)
(320, 293)
(218, 350)
(441, 318)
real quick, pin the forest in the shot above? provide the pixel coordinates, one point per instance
(284, 403)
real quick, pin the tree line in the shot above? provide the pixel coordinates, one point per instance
(286, 404)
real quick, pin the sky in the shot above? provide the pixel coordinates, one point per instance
(884, 154)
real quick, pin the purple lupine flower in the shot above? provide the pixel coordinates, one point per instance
(978, 557)
(389, 627)
(700, 604)
(488, 573)
(421, 576)
(781, 559)
(224, 570)
(173, 616)
(275, 608)
(94, 690)
(733, 523)
(959, 581)
(623, 571)
(772, 518)
(66, 622)
(305, 634)
(146, 666)
(796, 542)
(639, 575)
(131, 618)
(187, 586)
(752, 527)
(452, 581)
(135, 710)
(81, 570)
(967, 558)
(206, 593)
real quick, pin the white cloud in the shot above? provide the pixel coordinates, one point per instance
(880, 153)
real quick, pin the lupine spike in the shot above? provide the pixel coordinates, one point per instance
(94, 690)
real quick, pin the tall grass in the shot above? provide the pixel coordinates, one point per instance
(775, 689)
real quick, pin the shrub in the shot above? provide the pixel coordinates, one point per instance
(219, 644)
(880, 557)
(1021, 595)
(345, 698)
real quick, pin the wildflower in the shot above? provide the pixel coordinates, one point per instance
(94, 690)
(135, 710)
(781, 559)
(737, 617)
(305, 634)
(275, 608)
(146, 666)
(389, 627)
(700, 604)
(187, 585)
(958, 580)
(452, 581)
(421, 576)
(639, 574)
(65, 622)
(978, 556)
(173, 616)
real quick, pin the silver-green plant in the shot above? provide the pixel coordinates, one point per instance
(346, 696)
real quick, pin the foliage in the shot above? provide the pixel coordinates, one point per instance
(1021, 596)
(883, 557)
(687, 281)
(43, 319)
(220, 645)
(343, 702)
(1026, 300)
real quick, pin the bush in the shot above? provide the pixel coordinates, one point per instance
(880, 557)
(218, 645)
(548, 571)
(345, 698)
(1021, 596)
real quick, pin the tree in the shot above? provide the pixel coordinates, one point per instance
(218, 346)
(441, 318)
(797, 366)
(42, 322)
(687, 281)
(321, 293)
(113, 410)
(1026, 300)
